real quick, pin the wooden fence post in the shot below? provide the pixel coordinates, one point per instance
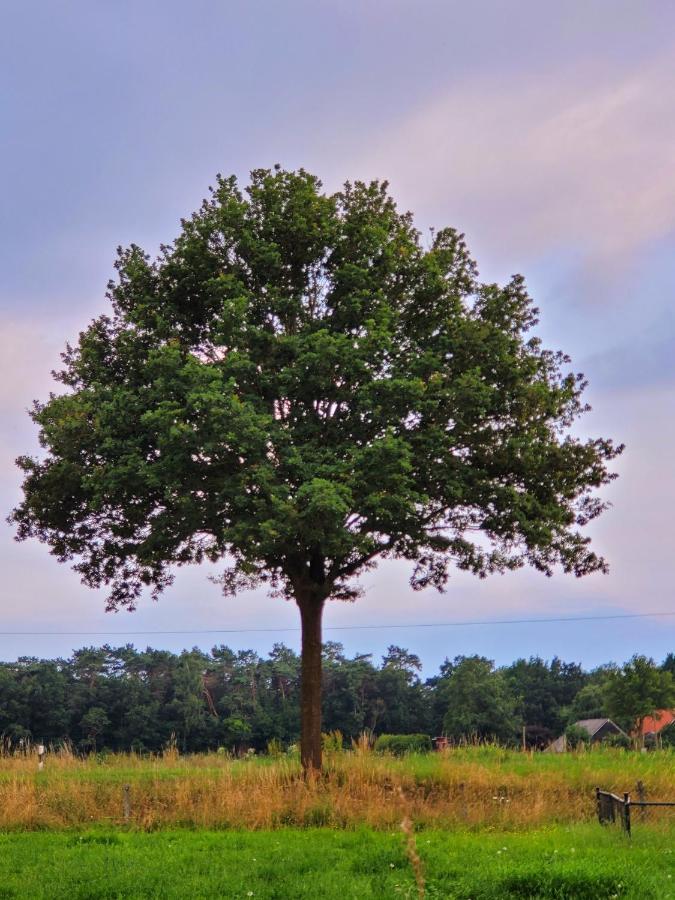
(626, 813)
(642, 796)
(127, 802)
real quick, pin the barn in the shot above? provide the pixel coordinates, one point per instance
(597, 730)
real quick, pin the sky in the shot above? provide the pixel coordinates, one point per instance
(544, 131)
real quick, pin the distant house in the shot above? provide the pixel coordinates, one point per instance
(652, 725)
(597, 730)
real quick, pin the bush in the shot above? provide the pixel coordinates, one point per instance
(332, 740)
(620, 741)
(274, 748)
(577, 737)
(399, 744)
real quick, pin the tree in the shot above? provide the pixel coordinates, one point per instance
(400, 660)
(188, 701)
(93, 722)
(542, 690)
(349, 692)
(668, 664)
(299, 387)
(477, 701)
(400, 700)
(44, 690)
(577, 737)
(637, 690)
(589, 703)
(531, 684)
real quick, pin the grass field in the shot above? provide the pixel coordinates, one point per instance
(472, 788)
(584, 861)
(488, 823)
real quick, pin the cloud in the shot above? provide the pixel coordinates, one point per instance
(533, 162)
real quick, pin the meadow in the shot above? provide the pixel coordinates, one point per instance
(472, 788)
(583, 862)
(478, 822)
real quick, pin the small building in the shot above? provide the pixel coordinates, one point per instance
(597, 730)
(441, 743)
(652, 725)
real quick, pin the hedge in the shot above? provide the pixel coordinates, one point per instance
(398, 744)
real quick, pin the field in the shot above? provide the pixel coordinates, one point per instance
(477, 787)
(562, 862)
(488, 823)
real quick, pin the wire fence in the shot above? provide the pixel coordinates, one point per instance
(611, 808)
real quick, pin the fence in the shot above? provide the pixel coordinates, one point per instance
(611, 807)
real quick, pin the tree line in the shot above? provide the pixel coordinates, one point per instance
(123, 698)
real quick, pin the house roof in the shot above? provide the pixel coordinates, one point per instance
(592, 726)
(654, 724)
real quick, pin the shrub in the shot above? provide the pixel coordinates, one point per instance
(399, 744)
(577, 737)
(620, 741)
(332, 740)
(274, 748)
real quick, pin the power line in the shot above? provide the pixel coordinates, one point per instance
(458, 624)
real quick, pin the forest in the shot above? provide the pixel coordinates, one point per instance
(121, 699)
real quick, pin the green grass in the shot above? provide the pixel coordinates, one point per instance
(584, 861)
(605, 764)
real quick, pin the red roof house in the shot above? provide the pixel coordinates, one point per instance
(656, 723)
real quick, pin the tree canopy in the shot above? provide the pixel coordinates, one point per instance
(476, 700)
(637, 690)
(298, 386)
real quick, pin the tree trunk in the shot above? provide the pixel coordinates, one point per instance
(640, 738)
(311, 611)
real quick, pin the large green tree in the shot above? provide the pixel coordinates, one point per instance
(297, 386)
(542, 691)
(638, 689)
(477, 701)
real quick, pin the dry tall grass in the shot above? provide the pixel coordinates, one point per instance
(472, 787)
